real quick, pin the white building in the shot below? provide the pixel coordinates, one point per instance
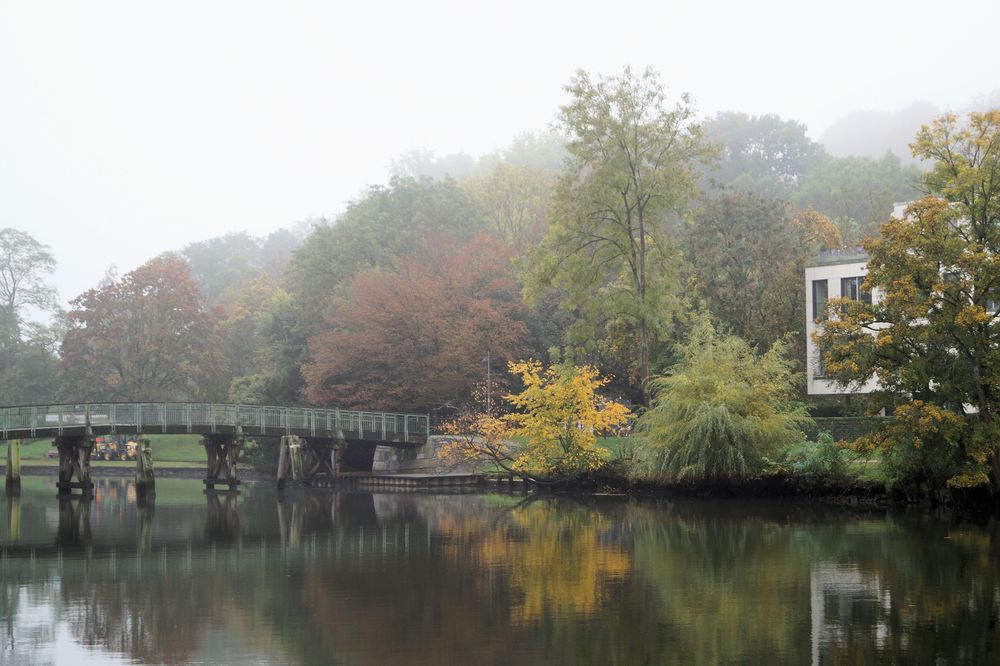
(837, 274)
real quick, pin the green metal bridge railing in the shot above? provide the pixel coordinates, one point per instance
(202, 418)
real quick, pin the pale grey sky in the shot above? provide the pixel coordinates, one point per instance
(128, 128)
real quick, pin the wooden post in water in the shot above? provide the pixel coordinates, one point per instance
(145, 481)
(233, 451)
(282, 461)
(13, 466)
(295, 454)
(211, 445)
(335, 458)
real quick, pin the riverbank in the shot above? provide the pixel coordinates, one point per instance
(784, 486)
(770, 487)
(127, 470)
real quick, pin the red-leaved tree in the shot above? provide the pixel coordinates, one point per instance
(146, 336)
(416, 338)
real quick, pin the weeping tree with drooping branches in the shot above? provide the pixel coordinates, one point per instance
(722, 410)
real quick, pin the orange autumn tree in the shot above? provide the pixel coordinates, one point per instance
(551, 435)
(145, 336)
(416, 337)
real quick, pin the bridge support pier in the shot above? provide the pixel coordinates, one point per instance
(145, 480)
(13, 483)
(223, 453)
(308, 459)
(74, 463)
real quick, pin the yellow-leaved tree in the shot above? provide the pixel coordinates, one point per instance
(551, 436)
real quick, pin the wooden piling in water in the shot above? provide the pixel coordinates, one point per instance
(283, 461)
(13, 484)
(145, 481)
(74, 462)
(295, 454)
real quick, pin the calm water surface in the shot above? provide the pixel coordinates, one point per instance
(360, 578)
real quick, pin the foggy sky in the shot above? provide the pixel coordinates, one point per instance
(131, 128)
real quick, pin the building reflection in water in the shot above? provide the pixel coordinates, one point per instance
(312, 576)
(841, 597)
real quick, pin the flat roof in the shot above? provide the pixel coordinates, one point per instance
(834, 257)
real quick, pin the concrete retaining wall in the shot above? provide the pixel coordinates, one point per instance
(416, 459)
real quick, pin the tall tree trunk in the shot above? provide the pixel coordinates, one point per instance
(644, 362)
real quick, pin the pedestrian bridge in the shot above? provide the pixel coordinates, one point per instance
(315, 443)
(206, 419)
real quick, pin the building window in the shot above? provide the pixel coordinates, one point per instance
(820, 370)
(820, 293)
(851, 287)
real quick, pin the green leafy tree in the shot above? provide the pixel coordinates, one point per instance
(722, 409)
(538, 151)
(933, 339)
(24, 263)
(747, 255)
(765, 154)
(858, 190)
(225, 265)
(275, 377)
(513, 202)
(33, 377)
(631, 165)
(410, 217)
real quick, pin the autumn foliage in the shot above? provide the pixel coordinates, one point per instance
(552, 432)
(416, 337)
(145, 336)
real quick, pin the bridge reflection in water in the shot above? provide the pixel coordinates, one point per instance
(314, 577)
(314, 441)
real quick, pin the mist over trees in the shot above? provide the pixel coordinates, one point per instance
(146, 336)
(221, 266)
(593, 243)
(28, 348)
(763, 155)
(538, 151)
(874, 133)
(416, 336)
(607, 250)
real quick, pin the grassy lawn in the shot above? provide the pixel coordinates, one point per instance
(185, 450)
(615, 444)
(126, 464)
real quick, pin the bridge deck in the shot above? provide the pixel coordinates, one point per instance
(205, 418)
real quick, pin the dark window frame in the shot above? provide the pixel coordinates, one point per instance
(853, 288)
(819, 306)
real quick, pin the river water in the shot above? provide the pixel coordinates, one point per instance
(322, 577)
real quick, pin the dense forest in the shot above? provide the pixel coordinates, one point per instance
(543, 250)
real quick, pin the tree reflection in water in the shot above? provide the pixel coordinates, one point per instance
(312, 577)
